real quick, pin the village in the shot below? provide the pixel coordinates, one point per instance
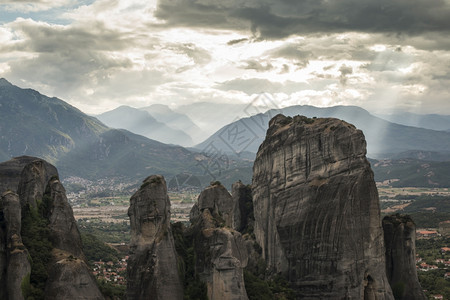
(433, 258)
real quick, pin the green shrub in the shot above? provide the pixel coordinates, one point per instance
(256, 288)
(35, 237)
(96, 250)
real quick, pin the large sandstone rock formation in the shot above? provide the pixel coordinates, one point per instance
(152, 267)
(221, 254)
(316, 208)
(218, 201)
(242, 206)
(31, 186)
(15, 260)
(69, 275)
(400, 241)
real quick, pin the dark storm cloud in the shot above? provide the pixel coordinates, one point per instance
(294, 53)
(68, 59)
(42, 38)
(273, 19)
(67, 70)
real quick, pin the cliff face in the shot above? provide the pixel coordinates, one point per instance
(152, 266)
(33, 180)
(316, 209)
(218, 201)
(11, 170)
(69, 276)
(221, 254)
(33, 194)
(400, 241)
(242, 206)
(15, 260)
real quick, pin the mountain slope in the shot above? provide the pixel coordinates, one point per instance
(162, 113)
(210, 117)
(34, 124)
(412, 172)
(78, 145)
(431, 121)
(141, 122)
(383, 138)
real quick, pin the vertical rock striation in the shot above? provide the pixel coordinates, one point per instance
(152, 267)
(242, 206)
(31, 190)
(218, 201)
(63, 227)
(400, 241)
(69, 276)
(17, 264)
(33, 181)
(316, 208)
(221, 254)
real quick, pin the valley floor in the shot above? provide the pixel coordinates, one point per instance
(106, 218)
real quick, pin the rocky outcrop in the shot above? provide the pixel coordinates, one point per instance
(152, 265)
(34, 193)
(33, 180)
(317, 216)
(242, 206)
(221, 254)
(63, 227)
(16, 263)
(11, 170)
(400, 240)
(69, 276)
(218, 201)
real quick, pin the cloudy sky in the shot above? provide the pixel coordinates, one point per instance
(99, 54)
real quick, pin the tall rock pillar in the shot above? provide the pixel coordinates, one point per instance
(400, 241)
(152, 267)
(317, 216)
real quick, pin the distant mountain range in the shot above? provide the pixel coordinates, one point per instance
(34, 124)
(141, 122)
(210, 117)
(79, 145)
(384, 139)
(175, 120)
(431, 121)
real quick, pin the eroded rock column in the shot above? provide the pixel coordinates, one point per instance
(317, 216)
(152, 267)
(400, 241)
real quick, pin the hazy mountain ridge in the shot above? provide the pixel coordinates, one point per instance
(142, 122)
(428, 121)
(34, 124)
(175, 120)
(80, 145)
(383, 138)
(76, 143)
(210, 117)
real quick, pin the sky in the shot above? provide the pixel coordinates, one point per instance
(382, 55)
